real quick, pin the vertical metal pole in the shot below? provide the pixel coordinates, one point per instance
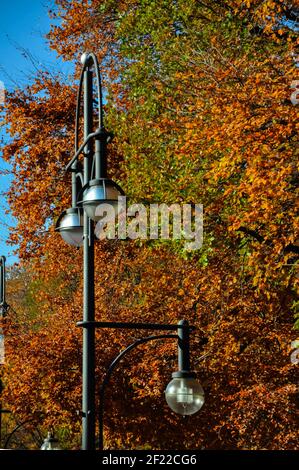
(2, 307)
(74, 185)
(184, 346)
(101, 155)
(88, 366)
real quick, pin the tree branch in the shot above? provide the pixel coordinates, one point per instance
(290, 248)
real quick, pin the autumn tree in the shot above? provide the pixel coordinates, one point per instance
(198, 96)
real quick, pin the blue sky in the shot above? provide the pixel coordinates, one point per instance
(23, 26)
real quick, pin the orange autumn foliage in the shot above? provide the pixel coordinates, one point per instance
(199, 101)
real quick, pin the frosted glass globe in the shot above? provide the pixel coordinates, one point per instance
(184, 396)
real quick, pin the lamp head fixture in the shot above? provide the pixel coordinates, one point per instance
(184, 394)
(70, 226)
(99, 191)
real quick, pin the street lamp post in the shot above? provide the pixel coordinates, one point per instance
(184, 394)
(90, 188)
(3, 304)
(88, 367)
(76, 225)
(3, 311)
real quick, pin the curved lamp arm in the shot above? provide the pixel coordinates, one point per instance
(109, 373)
(87, 58)
(99, 167)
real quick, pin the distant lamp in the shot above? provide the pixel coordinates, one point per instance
(184, 394)
(51, 443)
(70, 226)
(100, 191)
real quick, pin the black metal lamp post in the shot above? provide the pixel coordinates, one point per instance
(90, 188)
(3, 311)
(3, 304)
